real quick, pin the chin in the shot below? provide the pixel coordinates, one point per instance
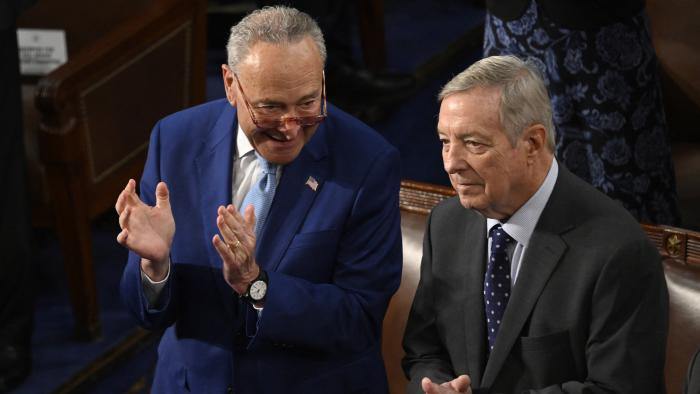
(282, 152)
(470, 202)
(280, 156)
(466, 202)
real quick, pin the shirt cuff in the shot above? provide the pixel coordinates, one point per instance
(258, 309)
(152, 290)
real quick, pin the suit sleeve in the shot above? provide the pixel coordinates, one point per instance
(346, 314)
(692, 381)
(626, 347)
(426, 355)
(131, 288)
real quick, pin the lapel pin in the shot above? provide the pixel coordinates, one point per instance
(312, 183)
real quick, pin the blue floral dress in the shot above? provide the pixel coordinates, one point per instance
(606, 102)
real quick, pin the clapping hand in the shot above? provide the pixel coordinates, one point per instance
(147, 231)
(459, 385)
(236, 246)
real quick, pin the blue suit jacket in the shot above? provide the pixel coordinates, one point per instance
(333, 256)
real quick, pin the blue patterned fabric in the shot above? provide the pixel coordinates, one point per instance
(496, 281)
(261, 193)
(606, 102)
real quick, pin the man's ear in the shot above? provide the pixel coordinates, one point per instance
(227, 76)
(535, 140)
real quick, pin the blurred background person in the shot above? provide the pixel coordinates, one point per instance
(601, 71)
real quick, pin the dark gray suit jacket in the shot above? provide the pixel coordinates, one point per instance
(588, 313)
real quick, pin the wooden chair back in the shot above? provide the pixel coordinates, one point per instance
(416, 199)
(680, 250)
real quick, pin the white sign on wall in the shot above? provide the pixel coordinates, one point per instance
(41, 50)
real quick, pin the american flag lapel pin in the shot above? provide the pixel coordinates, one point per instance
(312, 183)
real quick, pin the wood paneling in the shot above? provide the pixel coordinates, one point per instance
(130, 62)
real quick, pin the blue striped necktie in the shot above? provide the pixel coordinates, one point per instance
(261, 193)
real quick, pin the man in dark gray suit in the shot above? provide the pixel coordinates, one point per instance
(542, 284)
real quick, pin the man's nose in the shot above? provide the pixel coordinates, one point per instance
(454, 160)
(289, 126)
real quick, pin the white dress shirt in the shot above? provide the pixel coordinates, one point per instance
(521, 225)
(246, 170)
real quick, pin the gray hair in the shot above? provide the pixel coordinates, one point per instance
(276, 25)
(524, 98)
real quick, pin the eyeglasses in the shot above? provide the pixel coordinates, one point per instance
(274, 122)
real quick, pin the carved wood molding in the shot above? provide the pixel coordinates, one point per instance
(677, 244)
(58, 116)
(420, 197)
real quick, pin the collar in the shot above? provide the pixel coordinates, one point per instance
(522, 224)
(243, 146)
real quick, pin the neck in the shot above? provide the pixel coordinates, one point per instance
(537, 172)
(540, 169)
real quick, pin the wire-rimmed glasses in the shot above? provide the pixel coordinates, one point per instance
(273, 123)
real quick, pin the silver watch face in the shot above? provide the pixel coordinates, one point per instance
(258, 290)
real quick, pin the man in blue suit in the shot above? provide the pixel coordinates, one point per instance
(291, 300)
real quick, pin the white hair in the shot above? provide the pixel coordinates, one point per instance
(524, 98)
(276, 25)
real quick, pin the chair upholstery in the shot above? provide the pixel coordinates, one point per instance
(130, 62)
(415, 200)
(679, 248)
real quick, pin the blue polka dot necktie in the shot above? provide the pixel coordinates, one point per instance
(497, 281)
(261, 193)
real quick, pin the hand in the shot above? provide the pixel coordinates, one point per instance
(236, 246)
(147, 231)
(461, 385)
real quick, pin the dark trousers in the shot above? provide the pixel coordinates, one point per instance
(16, 271)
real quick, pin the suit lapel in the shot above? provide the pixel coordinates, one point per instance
(293, 198)
(475, 328)
(544, 252)
(214, 165)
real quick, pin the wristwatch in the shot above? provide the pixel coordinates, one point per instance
(257, 289)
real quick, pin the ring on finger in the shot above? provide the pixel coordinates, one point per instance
(234, 245)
